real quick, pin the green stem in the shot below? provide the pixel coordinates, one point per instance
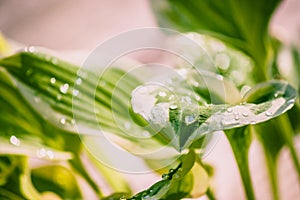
(210, 195)
(272, 169)
(288, 136)
(240, 141)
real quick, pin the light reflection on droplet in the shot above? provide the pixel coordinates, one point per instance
(268, 114)
(63, 121)
(162, 94)
(229, 110)
(173, 107)
(15, 141)
(245, 114)
(52, 80)
(78, 81)
(41, 153)
(64, 88)
(50, 154)
(127, 125)
(75, 92)
(59, 97)
(37, 99)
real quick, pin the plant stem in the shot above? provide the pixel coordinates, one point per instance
(240, 140)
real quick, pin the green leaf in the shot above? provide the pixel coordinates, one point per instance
(275, 133)
(232, 22)
(57, 179)
(183, 122)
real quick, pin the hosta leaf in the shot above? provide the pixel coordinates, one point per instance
(60, 91)
(182, 120)
(242, 24)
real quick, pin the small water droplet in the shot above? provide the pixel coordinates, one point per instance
(52, 80)
(73, 121)
(165, 176)
(220, 77)
(127, 125)
(162, 94)
(64, 88)
(48, 58)
(173, 107)
(189, 119)
(54, 60)
(229, 110)
(245, 114)
(78, 81)
(29, 72)
(268, 114)
(37, 99)
(171, 170)
(59, 97)
(63, 121)
(30, 49)
(41, 153)
(50, 154)
(75, 92)
(15, 141)
(236, 117)
(146, 134)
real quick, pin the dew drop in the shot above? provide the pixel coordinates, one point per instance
(245, 114)
(52, 80)
(165, 176)
(146, 134)
(29, 72)
(75, 92)
(189, 119)
(78, 81)
(171, 170)
(63, 121)
(173, 107)
(123, 198)
(15, 141)
(30, 49)
(41, 153)
(268, 114)
(220, 77)
(236, 117)
(59, 97)
(127, 125)
(54, 60)
(229, 110)
(64, 88)
(50, 154)
(37, 99)
(162, 94)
